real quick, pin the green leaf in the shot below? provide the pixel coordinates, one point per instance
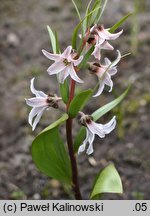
(75, 32)
(56, 123)
(64, 91)
(77, 10)
(119, 23)
(96, 115)
(101, 12)
(75, 35)
(106, 108)
(95, 15)
(108, 181)
(57, 43)
(85, 22)
(49, 153)
(86, 58)
(52, 39)
(79, 102)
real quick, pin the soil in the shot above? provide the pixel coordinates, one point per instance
(23, 34)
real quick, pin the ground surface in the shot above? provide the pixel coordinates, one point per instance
(22, 36)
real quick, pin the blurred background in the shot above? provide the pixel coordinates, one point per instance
(23, 34)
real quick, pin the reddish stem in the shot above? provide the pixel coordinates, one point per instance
(75, 185)
(71, 95)
(70, 147)
(85, 40)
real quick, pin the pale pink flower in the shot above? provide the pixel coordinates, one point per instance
(64, 64)
(104, 34)
(92, 129)
(100, 45)
(40, 103)
(99, 37)
(104, 73)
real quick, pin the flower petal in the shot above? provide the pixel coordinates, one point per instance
(63, 75)
(107, 61)
(112, 71)
(96, 53)
(108, 81)
(36, 102)
(91, 139)
(33, 113)
(107, 46)
(101, 44)
(100, 89)
(82, 147)
(54, 57)
(96, 128)
(93, 28)
(36, 92)
(67, 52)
(73, 74)
(105, 34)
(37, 118)
(77, 61)
(117, 59)
(108, 127)
(56, 67)
(101, 71)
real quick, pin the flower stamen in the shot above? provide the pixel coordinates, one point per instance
(66, 62)
(85, 119)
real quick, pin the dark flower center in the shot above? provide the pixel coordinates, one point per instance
(100, 27)
(86, 119)
(94, 68)
(66, 62)
(91, 40)
(52, 102)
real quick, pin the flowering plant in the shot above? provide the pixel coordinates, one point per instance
(50, 154)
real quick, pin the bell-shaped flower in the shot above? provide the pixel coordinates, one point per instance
(64, 64)
(40, 102)
(104, 34)
(104, 73)
(92, 129)
(99, 37)
(100, 45)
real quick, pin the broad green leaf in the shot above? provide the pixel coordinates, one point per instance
(52, 39)
(96, 115)
(79, 102)
(64, 91)
(119, 23)
(86, 58)
(77, 10)
(49, 153)
(106, 108)
(108, 181)
(56, 123)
